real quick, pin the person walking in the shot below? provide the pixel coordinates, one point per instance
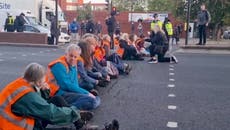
(19, 22)
(140, 28)
(203, 19)
(74, 27)
(9, 23)
(55, 32)
(98, 28)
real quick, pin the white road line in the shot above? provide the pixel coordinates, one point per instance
(33, 54)
(24, 55)
(172, 80)
(1, 60)
(171, 69)
(41, 52)
(172, 107)
(172, 95)
(172, 124)
(171, 85)
(171, 66)
(171, 73)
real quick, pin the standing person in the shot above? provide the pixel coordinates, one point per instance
(98, 28)
(111, 23)
(55, 32)
(9, 23)
(203, 19)
(140, 28)
(74, 27)
(132, 28)
(64, 72)
(168, 29)
(118, 29)
(83, 27)
(23, 108)
(90, 27)
(19, 22)
(156, 21)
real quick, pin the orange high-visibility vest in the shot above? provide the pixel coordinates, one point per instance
(120, 51)
(99, 53)
(50, 77)
(8, 96)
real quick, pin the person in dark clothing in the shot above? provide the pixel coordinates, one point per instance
(90, 27)
(111, 23)
(203, 19)
(159, 47)
(9, 24)
(83, 27)
(19, 22)
(55, 32)
(98, 28)
(118, 29)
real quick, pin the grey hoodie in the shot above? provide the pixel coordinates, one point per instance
(203, 17)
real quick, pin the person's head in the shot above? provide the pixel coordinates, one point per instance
(99, 22)
(86, 53)
(166, 19)
(106, 38)
(132, 37)
(92, 39)
(155, 16)
(74, 20)
(71, 53)
(125, 36)
(202, 7)
(35, 74)
(22, 14)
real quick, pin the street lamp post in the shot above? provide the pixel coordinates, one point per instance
(187, 22)
(56, 18)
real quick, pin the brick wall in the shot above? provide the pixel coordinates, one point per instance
(21, 37)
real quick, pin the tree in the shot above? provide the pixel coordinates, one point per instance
(84, 12)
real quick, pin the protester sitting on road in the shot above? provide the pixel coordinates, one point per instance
(93, 41)
(65, 74)
(130, 52)
(84, 64)
(140, 45)
(22, 105)
(159, 47)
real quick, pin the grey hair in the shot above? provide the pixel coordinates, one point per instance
(73, 47)
(87, 35)
(34, 72)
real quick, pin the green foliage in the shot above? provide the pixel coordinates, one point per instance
(161, 5)
(84, 12)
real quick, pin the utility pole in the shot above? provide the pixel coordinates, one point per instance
(187, 21)
(56, 18)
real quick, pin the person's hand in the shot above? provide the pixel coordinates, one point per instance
(108, 78)
(206, 24)
(97, 81)
(45, 86)
(91, 95)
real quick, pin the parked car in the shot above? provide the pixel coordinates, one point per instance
(63, 38)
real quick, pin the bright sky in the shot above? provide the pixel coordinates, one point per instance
(94, 1)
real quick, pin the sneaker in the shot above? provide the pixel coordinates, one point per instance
(86, 115)
(94, 92)
(174, 59)
(114, 125)
(153, 61)
(128, 69)
(89, 127)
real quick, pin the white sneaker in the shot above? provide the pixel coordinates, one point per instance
(174, 59)
(153, 61)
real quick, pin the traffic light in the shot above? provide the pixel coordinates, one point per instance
(107, 4)
(114, 11)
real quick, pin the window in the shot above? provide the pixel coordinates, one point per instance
(28, 28)
(71, 1)
(70, 7)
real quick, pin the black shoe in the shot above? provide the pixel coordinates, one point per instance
(102, 83)
(79, 124)
(128, 69)
(113, 76)
(94, 92)
(174, 59)
(86, 115)
(112, 126)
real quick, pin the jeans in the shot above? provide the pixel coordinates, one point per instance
(202, 34)
(82, 101)
(86, 85)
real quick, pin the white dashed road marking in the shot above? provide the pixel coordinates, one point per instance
(171, 85)
(172, 95)
(171, 69)
(41, 52)
(171, 66)
(33, 54)
(14, 57)
(24, 55)
(172, 107)
(171, 73)
(172, 80)
(172, 124)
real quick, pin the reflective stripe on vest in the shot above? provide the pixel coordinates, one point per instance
(158, 22)
(169, 28)
(8, 96)
(11, 21)
(50, 77)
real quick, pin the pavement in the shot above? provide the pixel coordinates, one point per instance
(222, 44)
(190, 95)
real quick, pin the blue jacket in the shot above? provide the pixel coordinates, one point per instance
(68, 81)
(83, 73)
(74, 27)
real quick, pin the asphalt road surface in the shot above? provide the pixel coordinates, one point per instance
(190, 95)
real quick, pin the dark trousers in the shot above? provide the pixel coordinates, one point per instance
(202, 34)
